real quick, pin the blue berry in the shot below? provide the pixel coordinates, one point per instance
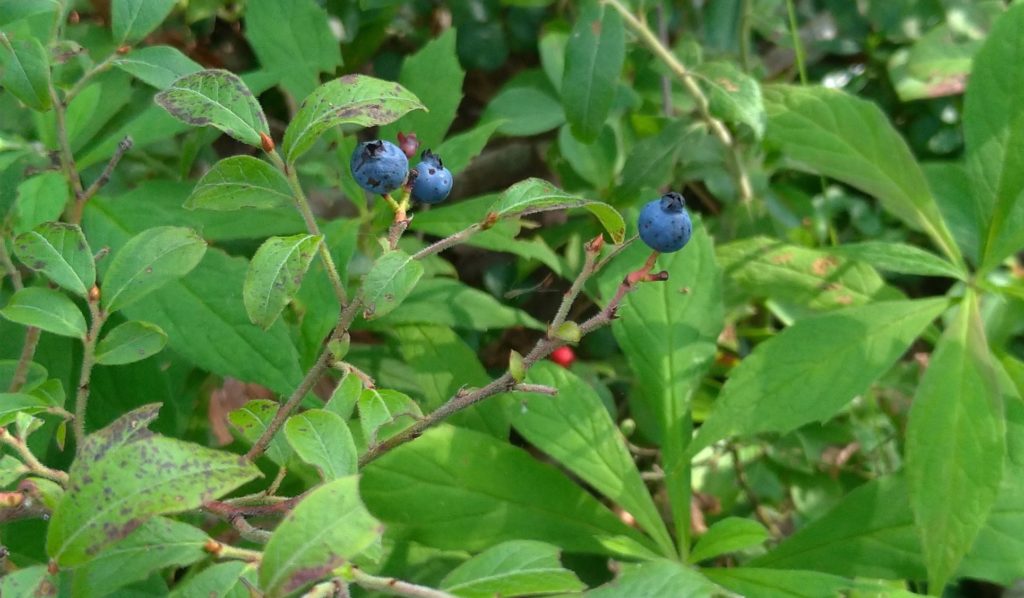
(379, 166)
(664, 223)
(433, 181)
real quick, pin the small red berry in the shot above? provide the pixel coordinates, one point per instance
(408, 143)
(563, 356)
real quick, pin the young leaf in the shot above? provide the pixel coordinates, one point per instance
(327, 529)
(994, 139)
(657, 579)
(322, 439)
(389, 282)
(130, 342)
(728, 535)
(384, 413)
(293, 40)
(435, 76)
(157, 544)
(27, 72)
(148, 261)
(240, 182)
(125, 476)
(47, 310)
(158, 66)
(537, 195)
(516, 568)
(219, 99)
(11, 404)
(61, 252)
(497, 493)
(133, 20)
(251, 421)
(594, 57)
(577, 431)
(899, 257)
(352, 100)
(954, 483)
(275, 275)
(835, 134)
(812, 369)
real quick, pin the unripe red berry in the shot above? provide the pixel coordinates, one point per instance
(563, 356)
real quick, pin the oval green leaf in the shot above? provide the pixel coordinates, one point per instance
(129, 342)
(275, 275)
(27, 72)
(240, 182)
(516, 568)
(60, 252)
(594, 56)
(537, 195)
(218, 99)
(159, 66)
(392, 278)
(322, 439)
(47, 310)
(148, 261)
(251, 421)
(133, 20)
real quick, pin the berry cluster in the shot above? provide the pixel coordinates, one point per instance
(382, 167)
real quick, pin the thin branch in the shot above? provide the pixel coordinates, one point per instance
(447, 242)
(64, 153)
(536, 388)
(78, 208)
(718, 129)
(748, 490)
(506, 383)
(28, 351)
(98, 317)
(394, 586)
(30, 460)
(97, 69)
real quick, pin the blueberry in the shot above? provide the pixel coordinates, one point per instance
(664, 224)
(433, 181)
(379, 166)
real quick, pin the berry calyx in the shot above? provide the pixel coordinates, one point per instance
(563, 356)
(664, 223)
(433, 181)
(379, 166)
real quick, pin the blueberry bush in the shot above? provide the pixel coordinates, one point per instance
(621, 298)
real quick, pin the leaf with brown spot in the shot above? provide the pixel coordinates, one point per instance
(219, 99)
(329, 527)
(60, 252)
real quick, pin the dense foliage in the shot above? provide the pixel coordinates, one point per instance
(355, 297)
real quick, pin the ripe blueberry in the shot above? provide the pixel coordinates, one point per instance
(664, 224)
(434, 181)
(379, 166)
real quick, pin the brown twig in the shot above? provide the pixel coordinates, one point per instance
(394, 586)
(97, 318)
(748, 490)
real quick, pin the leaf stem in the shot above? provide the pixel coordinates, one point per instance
(97, 318)
(97, 69)
(798, 46)
(718, 129)
(30, 460)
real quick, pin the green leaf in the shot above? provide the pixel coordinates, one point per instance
(994, 138)
(207, 304)
(29, 581)
(11, 470)
(473, 491)
(351, 100)
(772, 583)
(219, 99)
(516, 568)
(433, 73)
(218, 580)
(46, 309)
(345, 396)
(899, 257)
(595, 162)
(525, 109)
(12, 404)
(442, 363)
(667, 331)
(954, 483)
(811, 370)
(61, 252)
(537, 195)
(130, 342)
(389, 282)
(650, 162)
(951, 183)
(657, 579)
(459, 150)
(594, 56)
(275, 275)
(728, 535)
(768, 268)
(252, 419)
(326, 529)
(148, 261)
(40, 199)
(125, 476)
(937, 65)
(293, 40)
(157, 544)
(733, 96)
(448, 302)
(158, 66)
(133, 20)
(240, 182)
(835, 134)
(576, 430)
(27, 72)
(322, 439)
(384, 413)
